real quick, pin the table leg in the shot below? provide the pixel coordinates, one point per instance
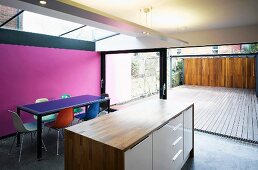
(39, 137)
(18, 134)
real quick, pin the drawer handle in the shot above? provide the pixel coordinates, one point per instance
(178, 139)
(178, 126)
(177, 154)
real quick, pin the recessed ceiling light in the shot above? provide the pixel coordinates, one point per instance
(43, 2)
(146, 33)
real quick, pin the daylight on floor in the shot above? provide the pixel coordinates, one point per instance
(129, 85)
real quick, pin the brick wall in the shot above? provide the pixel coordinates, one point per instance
(8, 12)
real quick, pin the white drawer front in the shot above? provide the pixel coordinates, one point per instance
(162, 149)
(176, 121)
(177, 145)
(177, 160)
(140, 156)
(176, 127)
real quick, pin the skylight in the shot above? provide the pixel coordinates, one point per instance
(89, 34)
(41, 24)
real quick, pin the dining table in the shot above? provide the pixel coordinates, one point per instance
(53, 107)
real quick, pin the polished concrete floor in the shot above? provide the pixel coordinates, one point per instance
(211, 153)
(219, 153)
(29, 161)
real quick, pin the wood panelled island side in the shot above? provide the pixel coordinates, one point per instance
(152, 135)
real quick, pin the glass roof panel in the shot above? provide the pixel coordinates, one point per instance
(99, 33)
(37, 23)
(42, 24)
(84, 33)
(89, 34)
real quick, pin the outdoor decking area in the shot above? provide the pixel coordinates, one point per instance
(229, 112)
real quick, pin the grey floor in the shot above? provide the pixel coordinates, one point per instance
(50, 160)
(211, 153)
(220, 153)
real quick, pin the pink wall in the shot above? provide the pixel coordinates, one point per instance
(28, 73)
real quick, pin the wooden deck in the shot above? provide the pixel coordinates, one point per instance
(229, 112)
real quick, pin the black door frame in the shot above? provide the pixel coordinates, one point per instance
(163, 68)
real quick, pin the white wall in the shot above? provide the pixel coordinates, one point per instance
(201, 38)
(221, 36)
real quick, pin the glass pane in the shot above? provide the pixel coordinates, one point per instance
(175, 71)
(89, 34)
(99, 33)
(85, 33)
(37, 23)
(223, 49)
(250, 48)
(42, 24)
(132, 76)
(8, 12)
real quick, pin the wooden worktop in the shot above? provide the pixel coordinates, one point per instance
(125, 128)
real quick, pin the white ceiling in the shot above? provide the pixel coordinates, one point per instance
(174, 16)
(175, 23)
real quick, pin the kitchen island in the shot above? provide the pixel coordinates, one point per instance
(151, 135)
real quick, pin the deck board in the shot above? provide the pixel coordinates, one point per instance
(230, 112)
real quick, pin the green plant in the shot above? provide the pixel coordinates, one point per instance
(251, 48)
(177, 74)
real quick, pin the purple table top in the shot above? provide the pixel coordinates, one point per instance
(54, 106)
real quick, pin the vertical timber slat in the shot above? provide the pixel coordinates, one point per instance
(221, 72)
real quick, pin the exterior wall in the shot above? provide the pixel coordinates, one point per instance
(6, 13)
(28, 73)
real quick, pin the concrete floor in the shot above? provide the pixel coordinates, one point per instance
(211, 153)
(219, 153)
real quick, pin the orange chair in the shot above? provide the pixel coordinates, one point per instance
(63, 120)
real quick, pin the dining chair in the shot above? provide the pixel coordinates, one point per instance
(23, 129)
(63, 120)
(48, 118)
(75, 110)
(91, 113)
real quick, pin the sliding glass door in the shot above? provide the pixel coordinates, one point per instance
(132, 76)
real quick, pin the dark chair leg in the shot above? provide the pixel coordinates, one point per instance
(31, 138)
(57, 144)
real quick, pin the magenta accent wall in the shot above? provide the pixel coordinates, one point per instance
(28, 73)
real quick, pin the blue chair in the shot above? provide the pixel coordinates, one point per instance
(91, 112)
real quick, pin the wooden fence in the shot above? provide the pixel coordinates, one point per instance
(220, 72)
